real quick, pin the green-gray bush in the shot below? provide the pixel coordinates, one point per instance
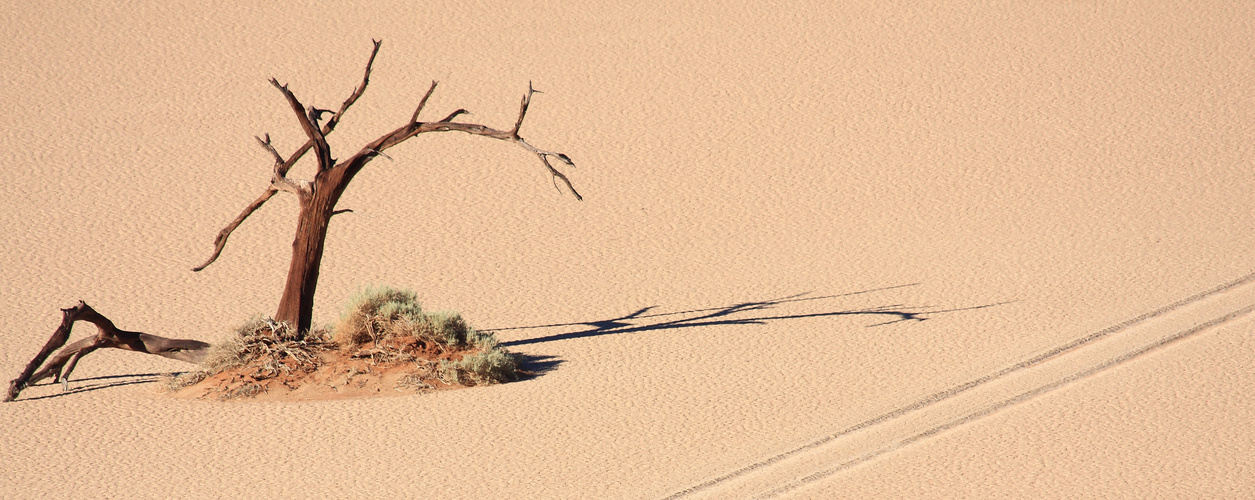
(377, 313)
(482, 368)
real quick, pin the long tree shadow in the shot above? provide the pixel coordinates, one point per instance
(641, 320)
(736, 314)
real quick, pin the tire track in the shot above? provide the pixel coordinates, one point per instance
(1025, 396)
(813, 461)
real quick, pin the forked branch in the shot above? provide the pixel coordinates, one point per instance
(306, 118)
(414, 128)
(335, 118)
(265, 144)
(280, 181)
(107, 336)
(281, 170)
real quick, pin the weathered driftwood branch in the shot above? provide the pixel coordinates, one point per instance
(107, 336)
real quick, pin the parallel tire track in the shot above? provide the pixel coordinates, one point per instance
(820, 458)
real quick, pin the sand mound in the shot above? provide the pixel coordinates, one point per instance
(385, 344)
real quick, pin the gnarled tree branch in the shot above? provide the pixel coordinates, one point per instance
(306, 118)
(376, 147)
(220, 241)
(282, 169)
(319, 196)
(107, 336)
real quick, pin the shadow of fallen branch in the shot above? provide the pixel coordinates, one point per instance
(97, 383)
(745, 313)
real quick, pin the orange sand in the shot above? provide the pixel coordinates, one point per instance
(774, 198)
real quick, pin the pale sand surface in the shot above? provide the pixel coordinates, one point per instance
(1070, 165)
(1176, 425)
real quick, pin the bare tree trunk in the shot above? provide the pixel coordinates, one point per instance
(297, 303)
(296, 306)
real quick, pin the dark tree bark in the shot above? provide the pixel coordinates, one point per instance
(317, 200)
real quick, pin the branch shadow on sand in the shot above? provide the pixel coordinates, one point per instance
(745, 313)
(82, 385)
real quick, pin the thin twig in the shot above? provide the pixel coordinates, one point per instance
(357, 92)
(220, 241)
(527, 99)
(453, 115)
(270, 147)
(423, 102)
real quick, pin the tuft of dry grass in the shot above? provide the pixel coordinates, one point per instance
(171, 382)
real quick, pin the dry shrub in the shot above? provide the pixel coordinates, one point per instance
(486, 367)
(413, 381)
(263, 348)
(375, 317)
(270, 346)
(374, 314)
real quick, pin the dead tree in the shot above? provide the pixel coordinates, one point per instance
(317, 199)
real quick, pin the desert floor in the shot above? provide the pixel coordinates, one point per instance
(883, 249)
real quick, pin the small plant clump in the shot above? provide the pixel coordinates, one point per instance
(389, 325)
(376, 315)
(383, 335)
